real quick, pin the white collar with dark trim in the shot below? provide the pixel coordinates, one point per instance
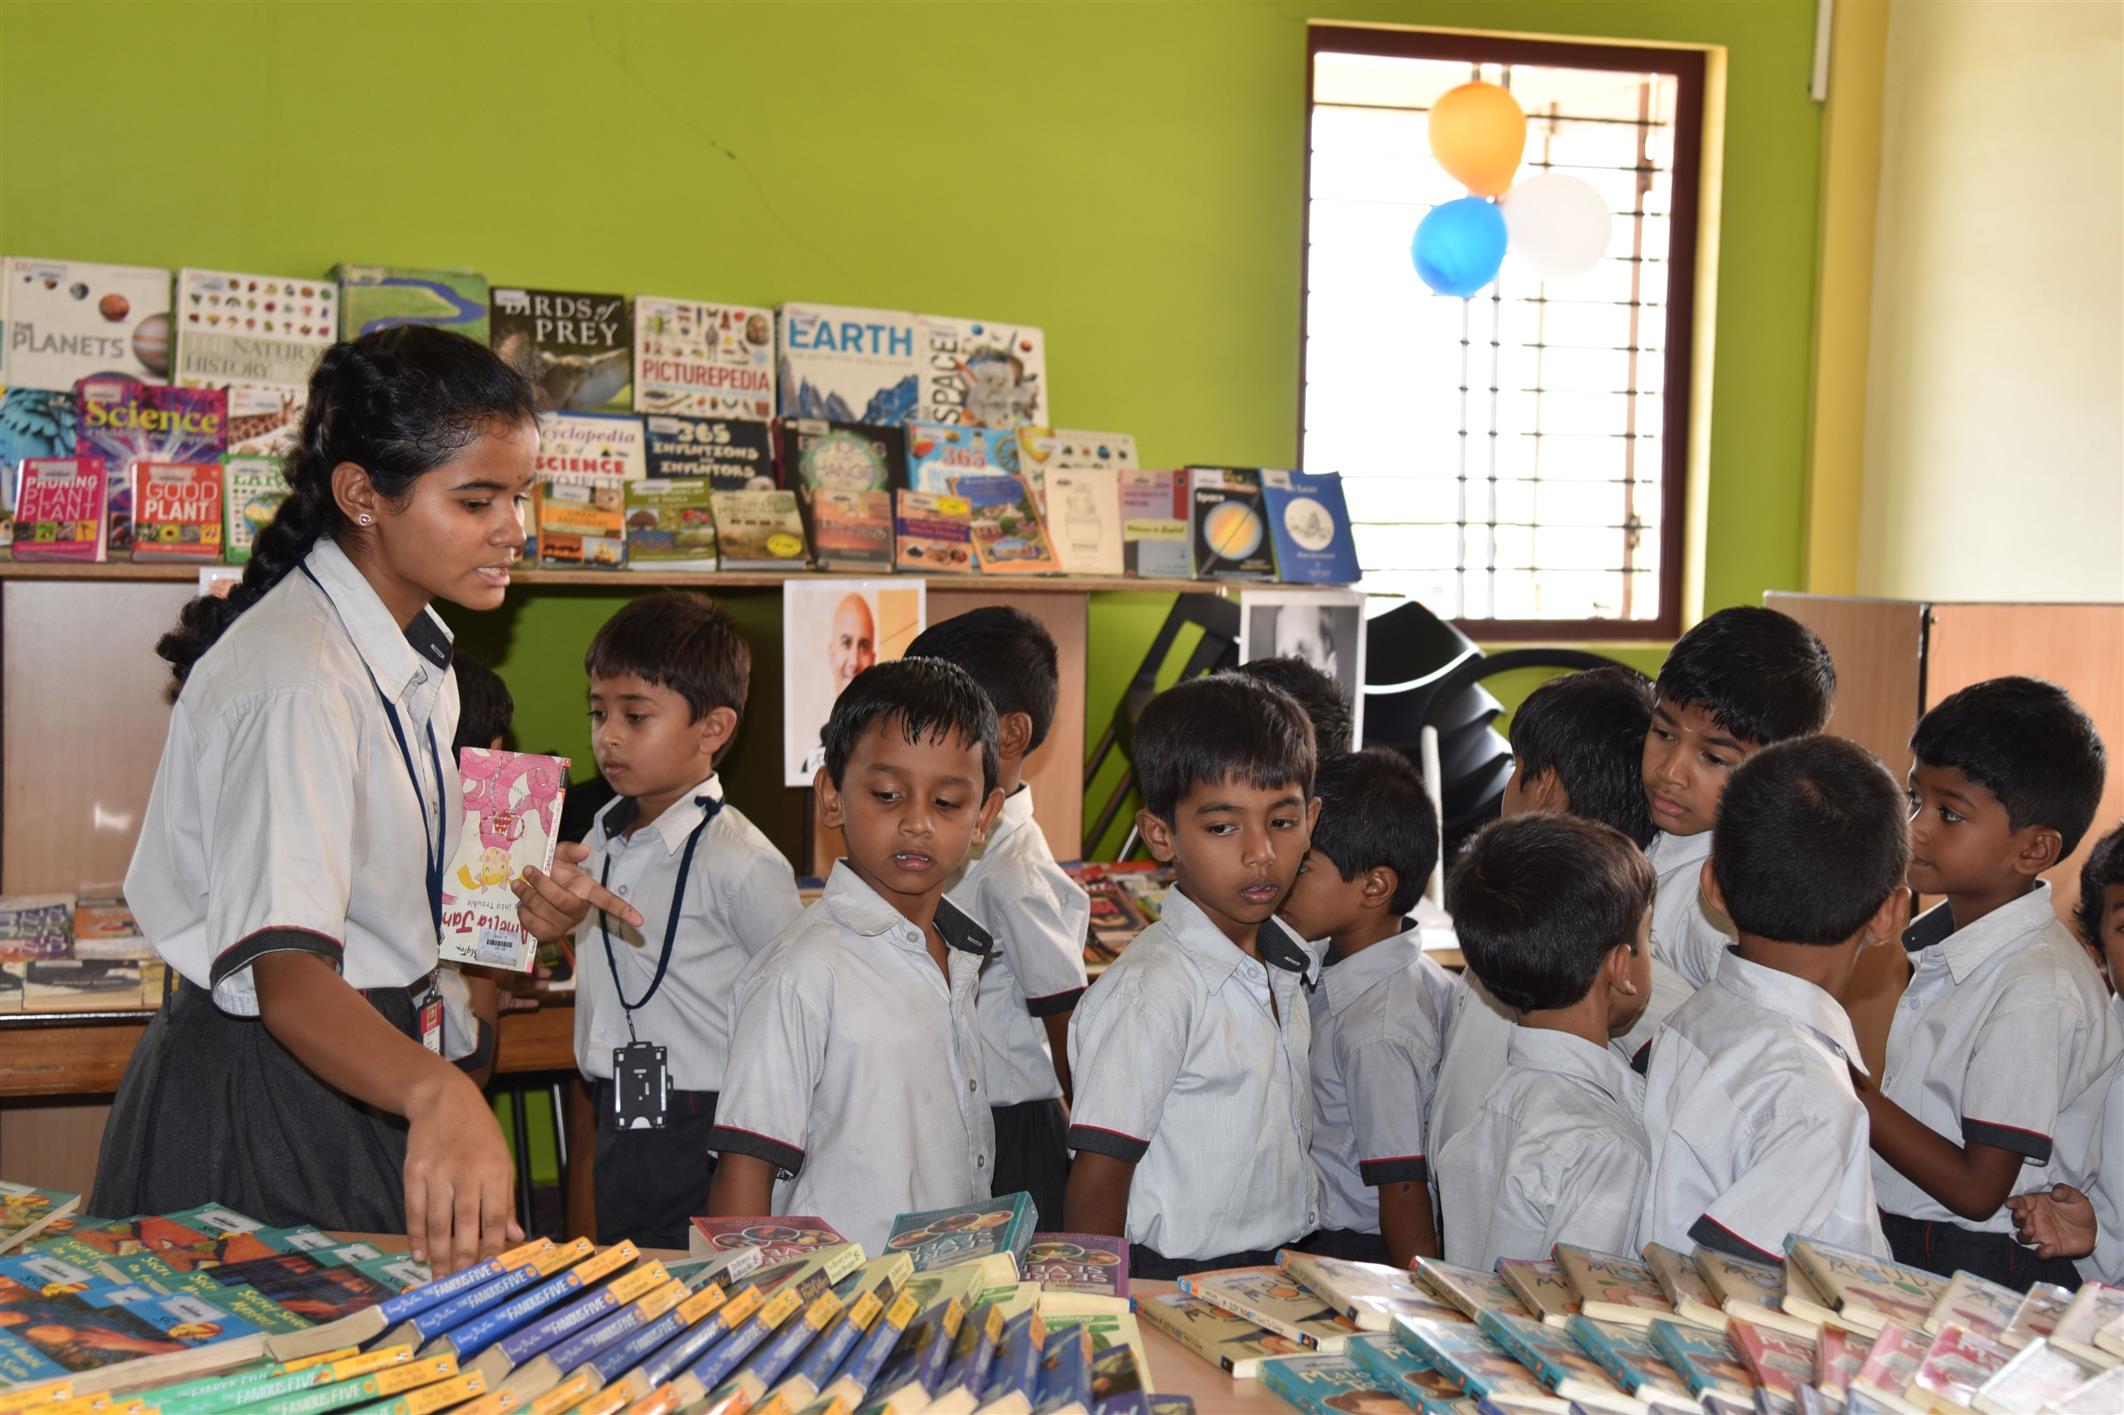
(401, 659)
(862, 910)
(1968, 949)
(673, 824)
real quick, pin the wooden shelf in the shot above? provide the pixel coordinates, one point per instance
(622, 579)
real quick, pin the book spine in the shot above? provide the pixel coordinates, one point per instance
(729, 1353)
(876, 1347)
(520, 1346)
(407, 1305)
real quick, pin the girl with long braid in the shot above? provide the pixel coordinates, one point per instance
(290, 862)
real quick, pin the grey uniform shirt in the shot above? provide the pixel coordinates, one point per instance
(1374, 1055)
(1038, 916)
(1756, 1132)
(739, 894)
(1181, 1069)
(1556, 1154)
(854, 1067)
(1686, 935)
(282, 816)
(2106, 1263)
(2004, 1037)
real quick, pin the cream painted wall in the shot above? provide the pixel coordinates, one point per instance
(1995, 390)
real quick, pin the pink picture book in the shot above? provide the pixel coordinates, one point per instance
(512, 811)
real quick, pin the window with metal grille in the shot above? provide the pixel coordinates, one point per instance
(1515, 461)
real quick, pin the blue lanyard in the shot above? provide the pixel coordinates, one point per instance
(434, 841)
(709, 806)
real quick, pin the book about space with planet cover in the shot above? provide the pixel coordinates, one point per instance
(1229, 535)
(511, 813)
(70, 320)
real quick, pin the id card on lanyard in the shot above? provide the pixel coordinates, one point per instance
(641, 1079)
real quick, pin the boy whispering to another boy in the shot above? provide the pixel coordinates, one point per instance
(854, 1085)
(1193, 1113)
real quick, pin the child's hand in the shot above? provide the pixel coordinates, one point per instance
(2057, 1223)
(550, 905)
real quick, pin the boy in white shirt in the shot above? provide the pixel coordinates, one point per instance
(1376, 1010)
(1552, 913)
(668, 675)
(1035, 912)
(1754, 1128)
(2004, 1046)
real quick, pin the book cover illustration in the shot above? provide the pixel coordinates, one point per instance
(70, 320)
(1869, 1290)
(1613, 1288)
(670, 525)
(932, 534)
(1469, 1291)
(1419, 1385)
(2038, 1314)
(1977, 1305)
(1780, 1362)
(26, 1211)
(977, 373)
(1706, 1360)
(1328, 1385)
(124, 421)
(1228, 535)
(1553, 1357)
(373, 297)
(577, 349)
(936, 453)
(1957, 1363)
(1277, 1301)
(1309, 523)
(779, 1239)
(1045, 449)
(580, 523)
(1084, 520)
(1236, 1345)
(580, 446)
(2036, 1379)
(847, 365)
(1154, 525)
(257, 337)
(851, 530)
(758, 530)
(1744, 1288)
(250, 500)
(2092, 1308)
(81, 984)
(1007, 535)
(703, 360)
(1370, 1294)
(1541, 1287)
(939, 1238)
(35, 422)
(177, 511)
(1837, 1358)
(731, 453)
(59, 510)
(820, 455)
(1078, 1262)
(511, 811)
(77, 1337)
(1627, 1354)
(1473, 1357)
(1684, 1287)
(36, 926)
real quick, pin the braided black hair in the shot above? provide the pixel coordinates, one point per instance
(397, 403)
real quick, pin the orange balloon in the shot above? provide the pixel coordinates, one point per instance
(1478, 132)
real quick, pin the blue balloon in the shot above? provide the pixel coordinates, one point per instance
(1459, 246)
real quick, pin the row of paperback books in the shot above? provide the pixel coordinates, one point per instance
(256, 337)
(1702, 1333)
(554, 1327)
(75, 953)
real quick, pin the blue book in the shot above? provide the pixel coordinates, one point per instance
(1470, 1356)
(941, 1238)
(1117, 1385)
(919, 1368)
(469, 1339)
(1014, 1376)
(1309, 524)
(1326, 1385)
(1065, 1373)
(855, 1375)
(959, 1390)
(549, 1331)
(700, 1339)
(1554, 1358)
(22, 1364)
(1419, 1384)
(1705, 1360)
(1629, 1356)
(783, 1337)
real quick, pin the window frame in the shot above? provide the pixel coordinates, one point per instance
(1687, 66)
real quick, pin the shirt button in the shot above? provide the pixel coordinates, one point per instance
(623, 889)
(980, 1161)
(973, 1085)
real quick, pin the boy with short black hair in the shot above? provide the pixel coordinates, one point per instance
(1552, 914)
(484, 705)
(1035, 912)
(2003, 1050)
(1377, 1010)
(1326, 706)
(669, 674)
(854, 1084)
(1755, 1131)
(1741, 680)
(1193, 1112)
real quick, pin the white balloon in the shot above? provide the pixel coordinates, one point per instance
(1557, 224)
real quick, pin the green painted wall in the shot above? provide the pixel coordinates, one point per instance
(1128, 176)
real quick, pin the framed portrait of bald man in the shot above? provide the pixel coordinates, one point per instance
(831, 631)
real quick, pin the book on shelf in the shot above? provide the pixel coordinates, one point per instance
(253, 496)
(1083, 510)
(580, 523)
(843, 364)
(778, 1239)
(1154, 525)
(1611, 1288)
(177, 511)
(759, 530)
(124, 421)
(939, 1238)
(34, 422)
(512, 804)
(1045, 449)
(1370, 1295)
(1541, 1288)
(1077, 1262)
(936, 453)
(36, 926)
(373, 297)
(70, 320)
(576, 348)
(819, 455)
(670, 524)
(978, 373)
(703, 360)
(1008, 538)
(851, 531)
(1309, 527)
(733, 454)
(582, 446)
(1273, 1299)
(1227, 533)
(81, 984)
(257, 338)
(932, 533)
